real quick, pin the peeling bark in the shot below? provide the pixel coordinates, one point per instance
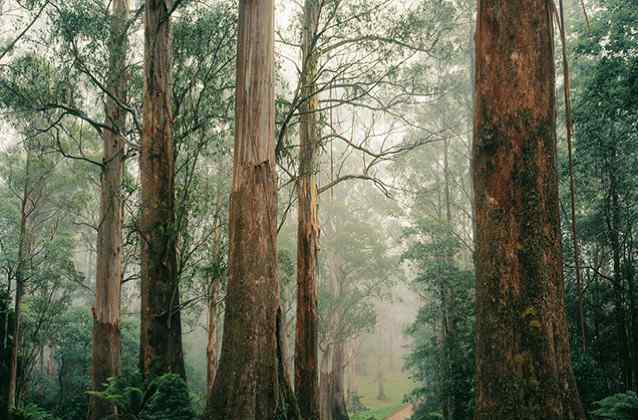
(248, 384)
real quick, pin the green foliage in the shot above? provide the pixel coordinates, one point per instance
(166, 398)
(32, 412)
(170, 401)
(623, 406)
(605, 112)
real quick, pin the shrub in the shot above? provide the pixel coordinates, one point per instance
(166, 398)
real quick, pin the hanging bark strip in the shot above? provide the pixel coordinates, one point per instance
(523, 356)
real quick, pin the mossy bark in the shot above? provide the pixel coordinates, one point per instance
(161, 334)
(523, 354)
(105, 361)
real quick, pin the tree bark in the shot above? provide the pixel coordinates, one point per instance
(161, 335)
(307, 330)
(523, 356)
(105, 360)
(248, 383)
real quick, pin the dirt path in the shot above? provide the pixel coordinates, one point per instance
(402, 414)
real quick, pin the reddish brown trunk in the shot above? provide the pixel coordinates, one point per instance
(523, 355)
(248, 384)
(307, 331)
(106, 323)
(161, 335)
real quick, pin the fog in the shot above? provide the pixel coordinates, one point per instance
(370, 150)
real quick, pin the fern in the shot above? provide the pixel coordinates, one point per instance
(622, 406)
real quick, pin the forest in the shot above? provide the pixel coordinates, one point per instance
(318, 209)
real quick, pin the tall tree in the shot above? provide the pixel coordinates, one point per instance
(106, 318)
(307, 329)
(26, 209)
(522, 337)
(161, 335)
(251, 382)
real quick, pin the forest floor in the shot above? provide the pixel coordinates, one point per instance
(395, 387)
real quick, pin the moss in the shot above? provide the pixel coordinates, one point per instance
(530, 312)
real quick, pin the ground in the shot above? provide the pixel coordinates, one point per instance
(396, 387)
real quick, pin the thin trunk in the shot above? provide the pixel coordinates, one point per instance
(106, 322)
(161, 334)
(213, 305)
(213, 320)
(452, 404)
(327, 368)
(307, 331)
(522, 338)
(380, 386)
(16, 334)
(248, 384)
(572, 184)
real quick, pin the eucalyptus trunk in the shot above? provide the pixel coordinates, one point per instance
(523, 355)
(307, 330)
(250, 383)
(161, 333)
(105, 362)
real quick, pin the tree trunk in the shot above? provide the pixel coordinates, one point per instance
(523, 356)
(247, 385)
(161, 335)
(307, 331)
(16, 334)
(213, 320)
(106, 312)
(339, 409)
(451, 401)
(325, 383)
